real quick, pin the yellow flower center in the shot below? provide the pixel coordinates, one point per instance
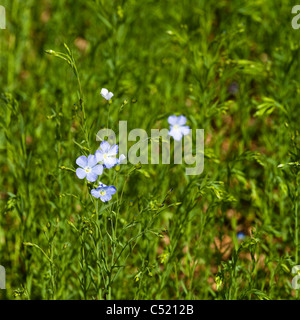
(102, 193)
(87, 169)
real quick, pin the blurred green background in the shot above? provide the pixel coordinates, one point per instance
(232, 68)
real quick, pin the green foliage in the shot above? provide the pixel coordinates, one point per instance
(231, 67)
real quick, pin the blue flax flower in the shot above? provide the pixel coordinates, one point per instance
(122, 157)
(103, 192)
(177, 127)
(107, 154)
(106, 94)
(241, 236)
(88, 168)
